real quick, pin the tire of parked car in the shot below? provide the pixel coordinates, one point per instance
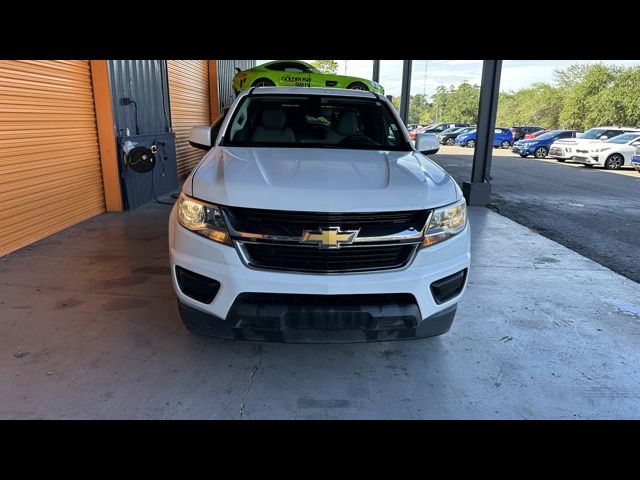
(540, 152)
(561, 160)
(505, 144)
(450, 142)
(471, 143)
(614, 162)
(263, 82)
(357, 86)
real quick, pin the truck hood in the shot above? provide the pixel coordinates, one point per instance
(318, 179)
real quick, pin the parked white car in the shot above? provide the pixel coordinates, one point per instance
(566, 149)
(611, 154)
(313, 218)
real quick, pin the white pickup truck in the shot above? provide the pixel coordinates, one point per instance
(581, 148)
(313, 218)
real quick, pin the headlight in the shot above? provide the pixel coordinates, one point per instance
(603, 149)
(445, 222)
(202, 218)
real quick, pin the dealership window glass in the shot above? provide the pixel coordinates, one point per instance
(323, 121)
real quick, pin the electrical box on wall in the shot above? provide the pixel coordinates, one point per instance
(146, 144)
(143, 179)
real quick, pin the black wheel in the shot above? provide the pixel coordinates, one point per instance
(524, 156)
(357, 86)
(505, 144)
(540, 152)
(614, 162)
(471, 143)
(263, 82)
(450, 142)
(561, 160)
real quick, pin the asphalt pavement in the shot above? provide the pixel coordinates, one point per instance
(592, 211)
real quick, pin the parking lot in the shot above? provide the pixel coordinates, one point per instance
(593, 211)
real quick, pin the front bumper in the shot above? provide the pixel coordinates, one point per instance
(636, 163)
(561, 152)
(589, 158)
(223, 264)
(520, 150)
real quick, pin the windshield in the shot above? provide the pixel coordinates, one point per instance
(627, 137)
(314, 121)
(593, 133)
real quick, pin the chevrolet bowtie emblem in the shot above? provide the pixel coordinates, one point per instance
(330, 237)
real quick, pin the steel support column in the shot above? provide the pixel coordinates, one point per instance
(376, 71)
(406, 90)
(478, 190)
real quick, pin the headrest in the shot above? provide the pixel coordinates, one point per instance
(273, 117)
(347, 124)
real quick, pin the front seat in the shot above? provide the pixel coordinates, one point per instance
(346, 126)
(273, 127)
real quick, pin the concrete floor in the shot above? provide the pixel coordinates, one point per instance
(89, 329)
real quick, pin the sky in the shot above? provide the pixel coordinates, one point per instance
(427, 75)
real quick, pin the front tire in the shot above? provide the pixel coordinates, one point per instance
(471, 143)
(505, 144)
(450, 141)
(263, 82)
(357, 86)
(614, 162)
(540, 152)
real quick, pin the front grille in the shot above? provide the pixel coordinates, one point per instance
(312, 259)
(291, 224)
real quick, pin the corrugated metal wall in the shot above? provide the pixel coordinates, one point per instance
(50, 172)
(226, 71)
(144, 81)
(190, 105)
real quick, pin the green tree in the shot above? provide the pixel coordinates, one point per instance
(326, 66)
(619, 102)
(581, 105)
(419, 109)
(462, 104)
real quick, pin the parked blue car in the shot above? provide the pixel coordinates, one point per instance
(635, 161)
(501, 138)
(539, 146)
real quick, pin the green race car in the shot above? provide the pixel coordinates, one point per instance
(294, 73)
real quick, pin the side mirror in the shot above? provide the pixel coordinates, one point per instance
(603, 137)
(200, 137)
(427, 143)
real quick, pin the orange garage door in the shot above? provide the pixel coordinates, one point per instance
(189, 97)
(50, 173)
